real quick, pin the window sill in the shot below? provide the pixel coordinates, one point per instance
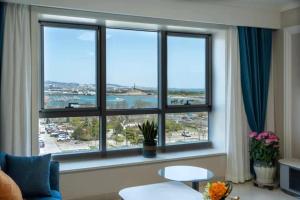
(71, 166)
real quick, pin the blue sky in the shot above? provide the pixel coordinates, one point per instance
(131, 58)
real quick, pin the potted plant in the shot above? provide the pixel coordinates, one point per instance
(149, 131)
(264, 151)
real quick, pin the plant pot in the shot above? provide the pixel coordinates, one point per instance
(264, 174)
(149, 149)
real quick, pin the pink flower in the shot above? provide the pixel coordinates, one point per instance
(273, 136)
(264, 134)
(259, 137)
(269, 141)
(252, 134)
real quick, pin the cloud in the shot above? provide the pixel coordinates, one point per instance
(87, 36)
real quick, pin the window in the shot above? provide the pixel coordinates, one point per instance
(68, 134)
(186, 70)
(131, 65)
(122, 131)
(99, 83)
(69, 67)
(186, 127)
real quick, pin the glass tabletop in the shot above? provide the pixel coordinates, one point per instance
(186, 173)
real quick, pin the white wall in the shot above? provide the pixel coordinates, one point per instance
(105, 183)
(290, 17)
(295, 95)
(188, 11)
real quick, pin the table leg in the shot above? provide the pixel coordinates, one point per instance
(195, 186)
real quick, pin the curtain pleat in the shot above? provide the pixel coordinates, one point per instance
(255, 55)
(238, 169)
(15, 135)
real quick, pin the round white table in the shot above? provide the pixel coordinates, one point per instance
(186, 173)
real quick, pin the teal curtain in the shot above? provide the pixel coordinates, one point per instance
(255, 56)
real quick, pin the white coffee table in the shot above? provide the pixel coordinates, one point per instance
(161, 191)
(186, 174)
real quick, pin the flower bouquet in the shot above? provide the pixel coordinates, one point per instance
(264, 151)
(264, 148)
(217, 190)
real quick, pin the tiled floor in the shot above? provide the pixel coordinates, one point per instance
(248, 192)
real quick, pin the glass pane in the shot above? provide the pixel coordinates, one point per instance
(69, 67)
(186, 70)
(186, 127)
(69, 134)
(123, 132)
(131, 69)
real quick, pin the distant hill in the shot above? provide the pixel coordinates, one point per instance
(111, 86)
(56, 84)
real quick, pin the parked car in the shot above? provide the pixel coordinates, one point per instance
(63, 137)
(41, 144)
(54, 134)
(186, 134)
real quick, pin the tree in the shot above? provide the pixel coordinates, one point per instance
(172, 126)
(95, 128)
(118, 129)
(84, 129)
(133, 136)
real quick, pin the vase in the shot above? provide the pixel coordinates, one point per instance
(264, 174)
(149, 149)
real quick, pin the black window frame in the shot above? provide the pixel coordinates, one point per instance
(102, 112)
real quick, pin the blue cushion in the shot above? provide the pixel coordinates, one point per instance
(55, 195)
(54, 175)
(3, 161)
(31, 174)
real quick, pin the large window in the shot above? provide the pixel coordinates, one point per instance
(99, 83)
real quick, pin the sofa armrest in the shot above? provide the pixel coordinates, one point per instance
(54, 175)
(3, 161)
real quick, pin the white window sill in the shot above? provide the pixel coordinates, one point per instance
(96, 164)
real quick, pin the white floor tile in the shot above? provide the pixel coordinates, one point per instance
(248, 192)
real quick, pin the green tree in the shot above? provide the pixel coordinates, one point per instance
(95, 128)
(118, 129)
(172, 126)
(133, 136)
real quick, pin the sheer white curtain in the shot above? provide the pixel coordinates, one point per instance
(237, 129)
(16, 82)
(270, 116)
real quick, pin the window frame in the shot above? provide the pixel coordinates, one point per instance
(102, 112)
(208, 80)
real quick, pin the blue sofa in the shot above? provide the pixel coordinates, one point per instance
(54, 179)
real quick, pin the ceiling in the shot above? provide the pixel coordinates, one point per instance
(258, 13)
(279, 5)
(275, 5)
